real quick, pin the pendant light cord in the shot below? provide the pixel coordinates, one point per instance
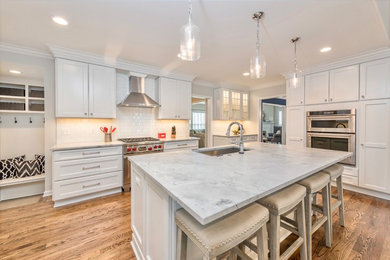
(190, 11)
(258, 35)
(295, 56)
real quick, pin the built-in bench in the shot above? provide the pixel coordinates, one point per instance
(22, 187)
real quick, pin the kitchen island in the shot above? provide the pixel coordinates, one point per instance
(209, 187)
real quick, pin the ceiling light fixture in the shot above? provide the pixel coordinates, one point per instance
(246, 74)
(295, 76)
(59, 20)
(15, 71)
(326, 49)
(258, 65)
(189, 39)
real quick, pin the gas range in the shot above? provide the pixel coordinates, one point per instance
(140, 145)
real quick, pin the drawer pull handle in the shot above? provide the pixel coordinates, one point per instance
(90, 168)
(92, 185)
(90, 153)
(182, 144)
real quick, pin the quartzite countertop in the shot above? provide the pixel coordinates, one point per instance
(211, 187)
(71, 146)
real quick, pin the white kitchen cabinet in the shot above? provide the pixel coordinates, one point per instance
(375, 145)
(317, 88)
(84, 90)
(230, 104)
(137, 208)
(295, 126)
(295, 95)
(102, 85)
(219, 140)
(174, 98)
(176, 145)
(375, 79)
(344, 84)
(71, 88)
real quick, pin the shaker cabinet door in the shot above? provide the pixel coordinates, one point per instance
(375, 79)
(295, 126)
(71, 88)
(317, 88)
(295, 94)
(102, 92)
(344, 84)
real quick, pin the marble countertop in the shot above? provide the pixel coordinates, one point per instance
(70, 146)
(235, 135)
(211, 187)
(177, 139)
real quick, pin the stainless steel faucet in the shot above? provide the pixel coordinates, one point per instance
(241, 143)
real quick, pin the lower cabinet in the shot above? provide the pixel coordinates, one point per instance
(81, 174)
(150, 218)
(375, 145)
(295, 126)
(219, 140)
(172, 146)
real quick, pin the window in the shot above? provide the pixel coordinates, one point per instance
(198, 120)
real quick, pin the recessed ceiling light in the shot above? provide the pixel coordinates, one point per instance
(15, 71)
(60, 20)
(246, 74)
(326, 49)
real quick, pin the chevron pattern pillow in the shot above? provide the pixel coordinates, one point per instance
(41, 162)
(27, 168)
(7, 167)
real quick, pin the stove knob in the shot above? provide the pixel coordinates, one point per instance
(160, 146)
(155, 147)
(150, 148)
(128, 149)
(134, 149)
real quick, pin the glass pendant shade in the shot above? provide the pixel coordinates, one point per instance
(189, 42)
(295, 80)
(258, 66)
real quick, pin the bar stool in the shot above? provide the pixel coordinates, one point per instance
(313, 184)
(280, 204)
(224, 235)
(336, 173)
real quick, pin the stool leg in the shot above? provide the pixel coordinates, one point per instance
(274, 238)
(330, 210)
(340, 196)
(325, 197)
(181, 245)
(302, 229)
(308, 224)
(262, 241)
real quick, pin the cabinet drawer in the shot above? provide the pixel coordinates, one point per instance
(87, 153)
(84, 167)
(192, 144)
(85, 185)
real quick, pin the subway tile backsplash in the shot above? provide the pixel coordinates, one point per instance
(130, 122)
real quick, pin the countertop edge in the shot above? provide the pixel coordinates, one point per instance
(75, 146)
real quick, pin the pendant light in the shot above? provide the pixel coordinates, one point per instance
(258, 65)
(189, 39)
(295, 75)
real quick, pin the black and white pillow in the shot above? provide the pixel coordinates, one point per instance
(27, 168)
(7, 167)
(41, 162)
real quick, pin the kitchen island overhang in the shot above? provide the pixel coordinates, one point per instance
(210, 187)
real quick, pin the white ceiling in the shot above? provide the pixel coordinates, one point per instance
(148, 32)
(28, 72)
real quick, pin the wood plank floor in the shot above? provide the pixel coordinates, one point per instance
(100, 229)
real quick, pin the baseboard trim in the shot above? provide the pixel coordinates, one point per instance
(47, 193)
(372, 193)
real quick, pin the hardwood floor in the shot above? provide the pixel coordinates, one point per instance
(100, 229)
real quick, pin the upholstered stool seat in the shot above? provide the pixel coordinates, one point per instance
(336, 173)
(280, 204)
(225, 234)
(313, 184)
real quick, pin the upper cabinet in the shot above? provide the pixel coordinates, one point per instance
(295, 94)
(317, 88)
(84, 90)
(375, 79)
(231, 105)
(338, 85)
(174, 98)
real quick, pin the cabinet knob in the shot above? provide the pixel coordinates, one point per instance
(91, 114)
(362, 145)
(363, 96)
(301, 102)
(326, 100)
(331, 99)
(85, 114)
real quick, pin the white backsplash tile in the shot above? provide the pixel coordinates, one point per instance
(130, 122)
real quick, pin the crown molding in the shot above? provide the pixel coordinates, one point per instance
(8, 47)
(71, 54)
(346, 61)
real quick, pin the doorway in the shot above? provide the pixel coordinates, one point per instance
(273, 120)
(199, 122)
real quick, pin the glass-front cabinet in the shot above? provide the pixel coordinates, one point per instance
(231, 104)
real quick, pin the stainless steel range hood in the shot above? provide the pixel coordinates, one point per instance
(137, 96)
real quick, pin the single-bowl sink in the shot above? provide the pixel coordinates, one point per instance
(219, 151)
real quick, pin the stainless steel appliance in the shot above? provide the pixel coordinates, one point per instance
(137, 146)
(332, 130)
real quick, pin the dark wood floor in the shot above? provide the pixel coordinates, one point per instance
(100, 229)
